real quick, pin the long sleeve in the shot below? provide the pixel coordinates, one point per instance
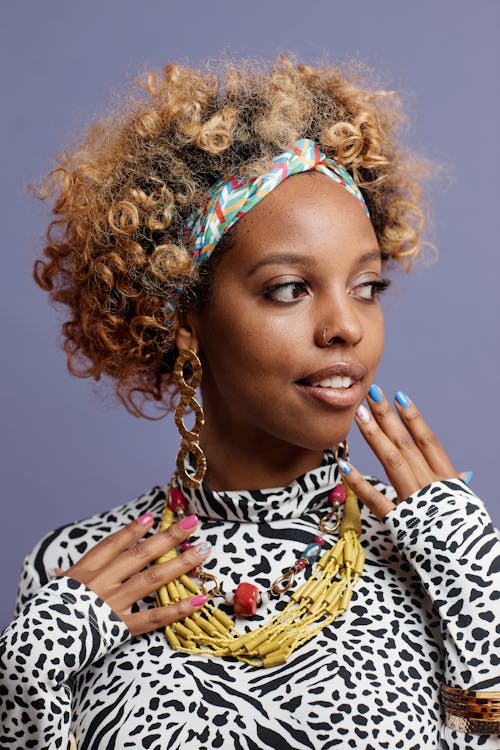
(447, 536)
(29, 583)
(62, 629)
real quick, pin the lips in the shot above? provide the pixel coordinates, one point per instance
(337, 386)
(338, 375)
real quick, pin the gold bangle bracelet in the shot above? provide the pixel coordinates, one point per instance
(474, 711)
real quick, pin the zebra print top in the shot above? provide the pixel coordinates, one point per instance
(424, 613)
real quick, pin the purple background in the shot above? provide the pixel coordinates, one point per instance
(67, 452)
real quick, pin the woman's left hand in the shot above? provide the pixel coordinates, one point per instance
(409, 451)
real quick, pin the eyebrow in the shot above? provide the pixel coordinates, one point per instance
(297, 259)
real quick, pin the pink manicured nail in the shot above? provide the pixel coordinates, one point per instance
(188, 523)
(198, 601)
(145, 519)
(363, 414)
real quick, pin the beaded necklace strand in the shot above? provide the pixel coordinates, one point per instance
(313, 605)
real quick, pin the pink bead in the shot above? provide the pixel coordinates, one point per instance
(300, 563)
(176, 499)
(319, 540)
(338, 493)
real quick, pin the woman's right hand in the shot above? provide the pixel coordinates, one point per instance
(116, 570)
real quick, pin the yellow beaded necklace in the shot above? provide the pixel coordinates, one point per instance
(313, 605)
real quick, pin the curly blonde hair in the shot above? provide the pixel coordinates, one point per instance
(115, 249)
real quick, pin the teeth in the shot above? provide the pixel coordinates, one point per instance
(336, 381)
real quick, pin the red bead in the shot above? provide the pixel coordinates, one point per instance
(300, 564)
(185, 546)
(319, 540)
(246, 599)
(338, 493)
(176, 499)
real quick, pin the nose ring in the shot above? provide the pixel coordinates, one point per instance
(327, 342)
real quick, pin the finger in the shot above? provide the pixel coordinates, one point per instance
(392, 426)
(108, 548)
(158, 617)
(396, 467)
(424, 437)
(154, 577)
(55, 573)
(466, 476)
(133, 559)
(379, 505)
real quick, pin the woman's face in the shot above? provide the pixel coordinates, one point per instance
(304, 268)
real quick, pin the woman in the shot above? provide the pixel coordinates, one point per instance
(231, 231)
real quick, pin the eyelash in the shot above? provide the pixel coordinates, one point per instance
(378, 287)
(268, 291)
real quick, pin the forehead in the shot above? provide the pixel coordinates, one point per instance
(307, 213)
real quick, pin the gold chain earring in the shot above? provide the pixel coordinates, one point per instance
(189, 438)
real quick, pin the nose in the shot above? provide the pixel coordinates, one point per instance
(339, 322)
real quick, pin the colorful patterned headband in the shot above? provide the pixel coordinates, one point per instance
(230, 198)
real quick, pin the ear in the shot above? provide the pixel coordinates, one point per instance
(186, 337)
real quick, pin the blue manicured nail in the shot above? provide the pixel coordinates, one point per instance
(402, 399)
(344, 466)
(375, 394)
(468, 477)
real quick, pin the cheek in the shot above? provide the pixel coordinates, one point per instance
(370, 347)
(242, 328)
(246, 351)
(375, 335)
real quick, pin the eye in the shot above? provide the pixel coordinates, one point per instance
(369, 290)
(286, 291)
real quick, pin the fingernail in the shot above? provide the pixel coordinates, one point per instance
(344, 466)
(375, 394)
(363, 414)
(202, 548)
(402, 399)
(468, 477)
(198, 601)
(145, 519)
(189, 522)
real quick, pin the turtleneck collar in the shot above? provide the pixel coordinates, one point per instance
(304, 494)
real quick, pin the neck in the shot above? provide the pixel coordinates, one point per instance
(236, 462)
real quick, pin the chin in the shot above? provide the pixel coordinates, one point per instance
(327, 439)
